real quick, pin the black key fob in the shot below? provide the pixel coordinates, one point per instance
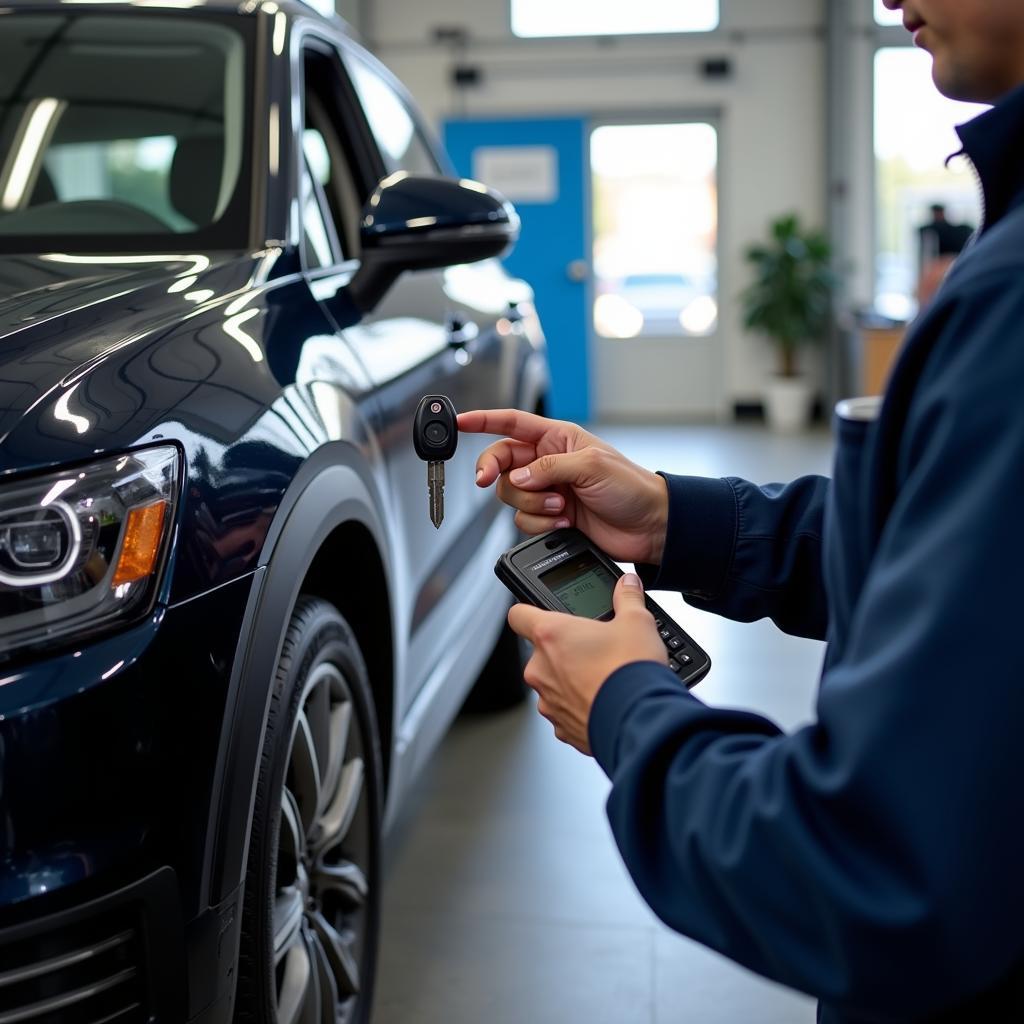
(435, 430)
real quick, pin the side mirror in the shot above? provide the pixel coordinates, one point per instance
(420, 223)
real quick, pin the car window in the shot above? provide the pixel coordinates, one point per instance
(319, 242)
(401, 140)
(122, 126)
(324, 150)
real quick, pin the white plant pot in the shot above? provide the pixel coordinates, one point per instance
(788, 404)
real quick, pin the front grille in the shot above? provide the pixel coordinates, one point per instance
(118, 958)
(91, 972)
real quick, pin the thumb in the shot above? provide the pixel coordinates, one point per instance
(572, 468)
(629, 595)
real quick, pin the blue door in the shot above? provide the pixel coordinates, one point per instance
(540, 165)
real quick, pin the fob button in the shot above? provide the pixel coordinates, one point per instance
(436, 433)
(435, 407)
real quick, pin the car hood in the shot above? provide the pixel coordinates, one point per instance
(60, 314)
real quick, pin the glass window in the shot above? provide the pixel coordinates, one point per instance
(326, 164)
(914, 136)
(319, 245)
(119, 127)
(400, 140)
(883, 16)
(534, 18)
(655, 197)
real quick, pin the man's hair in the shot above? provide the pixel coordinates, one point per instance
(939, 209)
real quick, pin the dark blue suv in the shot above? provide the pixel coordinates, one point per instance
(231, 263)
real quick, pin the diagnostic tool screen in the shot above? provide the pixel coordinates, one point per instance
(583, 585)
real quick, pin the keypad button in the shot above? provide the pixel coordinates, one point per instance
(674, 665)
(675, 643)
(665, 634)
(683, 659)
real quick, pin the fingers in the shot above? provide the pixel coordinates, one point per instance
(544, 503)
(527, 620)
(575, 469)
(521, 426)
(534, 526)
(500, 457)
(628, 595)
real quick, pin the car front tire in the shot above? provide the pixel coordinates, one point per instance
(312, 895)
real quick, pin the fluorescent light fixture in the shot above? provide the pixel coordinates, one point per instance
(38, 123)
(535, 18)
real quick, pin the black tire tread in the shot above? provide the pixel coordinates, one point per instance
(301, 630)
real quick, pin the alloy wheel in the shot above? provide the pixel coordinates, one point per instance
(324, 850)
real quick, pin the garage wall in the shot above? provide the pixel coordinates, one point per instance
(772, 110)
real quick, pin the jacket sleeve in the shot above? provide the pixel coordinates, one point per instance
(872, 859)
(747, 552)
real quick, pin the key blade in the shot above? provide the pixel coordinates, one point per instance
(435, 486)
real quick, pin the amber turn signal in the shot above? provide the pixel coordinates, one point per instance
(141, 543)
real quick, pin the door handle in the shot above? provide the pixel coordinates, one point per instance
(578, 271)
(462, 331)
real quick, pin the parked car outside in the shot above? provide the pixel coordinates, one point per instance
(656, 304)
(232, 260)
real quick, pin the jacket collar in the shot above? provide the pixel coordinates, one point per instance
(994, 141)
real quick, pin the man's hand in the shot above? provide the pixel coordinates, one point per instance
(573, 656)
(556, 474)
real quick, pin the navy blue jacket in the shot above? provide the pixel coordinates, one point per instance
(874, 859)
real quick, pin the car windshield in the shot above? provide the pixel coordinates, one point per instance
(122, 132)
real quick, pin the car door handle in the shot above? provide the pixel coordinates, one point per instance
(578, 271)
(461, 332)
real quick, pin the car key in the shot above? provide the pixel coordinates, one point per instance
(435, 437)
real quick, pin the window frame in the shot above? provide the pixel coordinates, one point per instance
(360, 153)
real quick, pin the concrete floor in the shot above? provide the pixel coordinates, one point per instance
(505, 899)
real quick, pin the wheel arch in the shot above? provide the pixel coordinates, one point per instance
(331, 502)
(367, 609)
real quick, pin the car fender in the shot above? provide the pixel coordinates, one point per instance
(333, 487)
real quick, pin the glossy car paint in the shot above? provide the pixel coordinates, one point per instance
(293, 411)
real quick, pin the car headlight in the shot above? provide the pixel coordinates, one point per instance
(83, 549)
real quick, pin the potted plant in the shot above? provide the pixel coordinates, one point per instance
(790, 301)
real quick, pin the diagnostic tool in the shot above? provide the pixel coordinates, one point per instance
(563, 571)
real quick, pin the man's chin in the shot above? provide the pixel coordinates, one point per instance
(951, 84)
(956, 83)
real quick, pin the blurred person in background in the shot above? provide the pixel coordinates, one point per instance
(940, 242)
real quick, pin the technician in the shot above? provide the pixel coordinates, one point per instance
(876, 858)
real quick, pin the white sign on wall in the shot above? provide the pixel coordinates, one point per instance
(523, 174)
